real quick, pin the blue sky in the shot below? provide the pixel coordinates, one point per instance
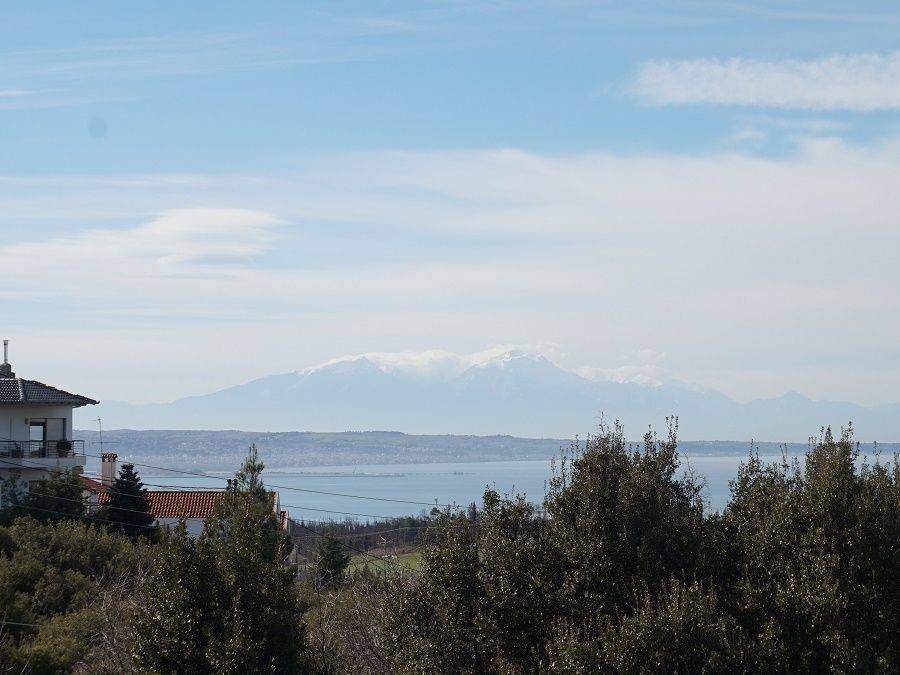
(196, 195)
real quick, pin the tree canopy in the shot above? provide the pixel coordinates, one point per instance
(225, 602)
(128, 509)
(58, 497)
(623, 571)
(619, 570)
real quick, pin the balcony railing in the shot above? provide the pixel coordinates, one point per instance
(41, 449)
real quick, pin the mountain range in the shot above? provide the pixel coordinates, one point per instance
(501, 392)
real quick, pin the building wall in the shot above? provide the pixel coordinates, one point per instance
(194, 525)
(14, 427)
(14, 419)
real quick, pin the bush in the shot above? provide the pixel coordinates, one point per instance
(626, 573)
(54, 575)
(820, 550)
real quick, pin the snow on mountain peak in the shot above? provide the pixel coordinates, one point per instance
(441, 364)
(437, 363)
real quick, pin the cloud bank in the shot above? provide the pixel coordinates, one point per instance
(175, 243)
(754, 275)
(856, 82)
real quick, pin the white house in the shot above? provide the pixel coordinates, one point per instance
(36, 427)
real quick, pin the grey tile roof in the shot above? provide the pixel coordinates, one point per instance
(15, 390)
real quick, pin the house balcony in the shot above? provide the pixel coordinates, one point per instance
(41, 454)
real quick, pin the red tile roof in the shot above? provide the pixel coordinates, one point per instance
(91, 485)
(175, 504)
(180, 503)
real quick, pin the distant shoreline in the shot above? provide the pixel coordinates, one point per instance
(222, 451)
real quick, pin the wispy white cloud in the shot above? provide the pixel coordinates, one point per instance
(93, 71)
(751, 135)
(177, 242)
(321, 38)
(815, 125)
(859, 82)
(17, 93)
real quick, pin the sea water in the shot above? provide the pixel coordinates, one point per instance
(301, 490)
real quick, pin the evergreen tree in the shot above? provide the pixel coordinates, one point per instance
(248, 477)
(331, 561)
(225, 603)
(128, 510)
(172, 630)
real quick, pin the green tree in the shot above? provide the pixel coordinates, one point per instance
(819, 546)
(625, 518)
(53, 575)
(492, 595)
(249, 476)
(331, 561)
(172, 630)
(128, 509)
(430, 625)
(679, 629)
(225, 603)
(58, 497)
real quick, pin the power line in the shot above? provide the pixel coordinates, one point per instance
(189, 488)
(305, 527)
(298, 524)
(202, 488)
(294, 506)
(4, 622)
(69, 499)
(73, 515)
(106, 488)
(153, 527)
(395, 529)
(345, 494)
(377, 532)
(86, 504)
(183, 488)
(353, 548)
(288, 487)
(343, 513)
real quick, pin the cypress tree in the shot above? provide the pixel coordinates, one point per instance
(128, 510)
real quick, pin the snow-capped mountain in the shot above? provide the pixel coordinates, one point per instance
(435, 363)
(497, 391)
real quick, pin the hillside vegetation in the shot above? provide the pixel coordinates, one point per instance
(620, 570)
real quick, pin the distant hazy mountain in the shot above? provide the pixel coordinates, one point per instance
(505, 392)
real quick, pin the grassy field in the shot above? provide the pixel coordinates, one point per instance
(412, 561)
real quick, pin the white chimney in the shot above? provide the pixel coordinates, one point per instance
(108, 468)
(5, 368)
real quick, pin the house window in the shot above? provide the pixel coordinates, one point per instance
(37, 430)
(49, 429)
